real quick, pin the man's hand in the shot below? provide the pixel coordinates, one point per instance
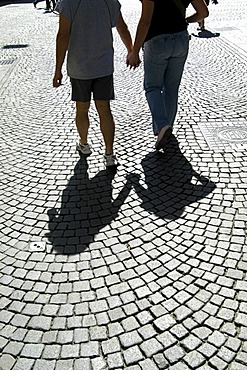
(133, 60)
(62, 43)
(57, 79)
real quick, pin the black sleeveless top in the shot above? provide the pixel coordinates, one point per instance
(167, 18)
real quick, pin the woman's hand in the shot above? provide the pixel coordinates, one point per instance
(133, 60)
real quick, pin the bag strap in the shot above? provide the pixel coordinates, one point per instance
(180, 6)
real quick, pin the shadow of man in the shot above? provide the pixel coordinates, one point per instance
(86, 208)
(168, 187)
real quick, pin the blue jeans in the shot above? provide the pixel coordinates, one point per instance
(164, 59)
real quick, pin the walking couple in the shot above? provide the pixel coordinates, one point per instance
(85, 30)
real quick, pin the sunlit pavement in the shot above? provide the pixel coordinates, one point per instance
(142, 268)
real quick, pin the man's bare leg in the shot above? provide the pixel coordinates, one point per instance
(82, 120)
(107, 125)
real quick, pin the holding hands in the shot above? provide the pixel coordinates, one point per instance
(133, 59)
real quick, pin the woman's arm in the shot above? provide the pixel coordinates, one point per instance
(124, 33)
(141, 32)
(201, 11)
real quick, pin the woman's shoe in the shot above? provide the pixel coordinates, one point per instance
(163, 137)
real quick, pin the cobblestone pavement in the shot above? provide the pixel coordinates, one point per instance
(142, 269)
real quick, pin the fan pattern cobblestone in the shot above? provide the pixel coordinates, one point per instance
(144, 268)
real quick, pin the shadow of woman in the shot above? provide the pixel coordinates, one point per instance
(168, 186)
(86, 208)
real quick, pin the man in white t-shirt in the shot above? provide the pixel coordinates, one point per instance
(85, 31)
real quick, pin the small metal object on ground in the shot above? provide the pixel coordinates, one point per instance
(225, 135)
(36, 246)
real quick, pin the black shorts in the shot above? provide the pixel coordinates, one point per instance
(101, 88)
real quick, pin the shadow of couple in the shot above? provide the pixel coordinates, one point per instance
(87, 204)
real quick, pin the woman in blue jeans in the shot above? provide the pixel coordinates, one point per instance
(162, 30)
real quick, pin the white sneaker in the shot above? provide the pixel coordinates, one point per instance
(110, 160)
(83, 148)
(163, 136)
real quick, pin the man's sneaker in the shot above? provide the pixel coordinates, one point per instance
(163, 136)
(83, 148)
(110, 160)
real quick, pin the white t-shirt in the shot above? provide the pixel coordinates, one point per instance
(90, 51)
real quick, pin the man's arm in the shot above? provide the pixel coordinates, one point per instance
(141, 32)
(201, 11)
(124, 33)
(62, 43)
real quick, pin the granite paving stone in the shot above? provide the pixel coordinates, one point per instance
(148, 364)
(51, 352)
(43, 364)
(32, 350)
(115, 361)
(82, 363)
(237, 366)
(50, 337)
(102, 318)
(70, 351)
(99, 363)
(98, 333)
(158, 310)
(114, 301)
(147, 331)
(115, 329)
(164, 322)
(207, 350)
(150, 347)
(191, 342)
(130, 308)
(7, 361)
(132, 355)
(130, 339)
(179, 366)
(25, 364)
(89, 349)
(65, 336)
(218, 363)
(33, 336)
(116, 314)
(160, 361)
(143, 268)
(64, 364)
(110, 346)
(174, 354)
(166, 339)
